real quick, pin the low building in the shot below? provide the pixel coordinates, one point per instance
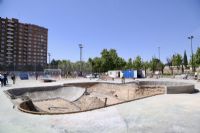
(115, 73)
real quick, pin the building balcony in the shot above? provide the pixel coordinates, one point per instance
(10, 29)
(10, 33)
(9, 45)
(10, 21)
(9, 57)
(10, 41)
(25, 38)
(9, 53)
(9, 37)
(9, 49)
(9, 61)
(10, 25)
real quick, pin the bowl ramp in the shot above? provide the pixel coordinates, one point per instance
(42, 93)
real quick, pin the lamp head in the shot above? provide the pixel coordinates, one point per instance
(80, 46)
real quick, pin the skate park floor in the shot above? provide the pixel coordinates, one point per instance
(172, 113)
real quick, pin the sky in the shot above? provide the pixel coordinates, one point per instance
(132, 27)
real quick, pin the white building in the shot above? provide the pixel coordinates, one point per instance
(115, 73)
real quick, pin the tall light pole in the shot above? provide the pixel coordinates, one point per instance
(81, 47)
(191, 37)
(159, 52)
(49, 60)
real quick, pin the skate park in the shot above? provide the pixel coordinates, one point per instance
(86, 96)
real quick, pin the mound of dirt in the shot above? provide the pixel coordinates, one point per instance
(87, 103)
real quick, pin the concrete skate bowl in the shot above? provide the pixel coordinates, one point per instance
(81, 97)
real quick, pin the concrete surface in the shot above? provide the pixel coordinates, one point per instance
(169, 113)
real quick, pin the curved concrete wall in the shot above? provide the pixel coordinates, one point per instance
(50, 92)
(74, 91)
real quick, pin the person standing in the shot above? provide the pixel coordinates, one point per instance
(5, 79)
(36, 75)
(123, 80)
(13, 78)
(1, 79)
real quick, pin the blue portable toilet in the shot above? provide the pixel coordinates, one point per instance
(130, 73)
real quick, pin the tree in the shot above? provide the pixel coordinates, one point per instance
(185, 60)
(137, 63)
(106, 60)
(90, 61)
(129, 64)
(177, 60)
(197, 57)
(54, 64)
(66, 66)
(153, 63)
(120, 63)
(87, 68)
(145, 66)
(156, 64)
(160, 66)
(97, 65)
(109, 60)
(169, 63)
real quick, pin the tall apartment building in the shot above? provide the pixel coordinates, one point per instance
(22, 46)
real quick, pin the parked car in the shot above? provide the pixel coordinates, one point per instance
(90, 76)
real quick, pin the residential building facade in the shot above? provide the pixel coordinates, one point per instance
(22, 46)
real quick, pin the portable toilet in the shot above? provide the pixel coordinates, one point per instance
(141, 74)
(130, 73)
(135, 74)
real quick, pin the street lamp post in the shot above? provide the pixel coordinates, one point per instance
(191, 37)
(81, 47)
(159, 52)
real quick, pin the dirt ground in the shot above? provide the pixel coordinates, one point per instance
(98, 96)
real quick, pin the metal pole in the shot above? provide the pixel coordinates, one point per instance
(192, 55)
(159, 56)
(105, 102)
(159, 52)
(191, 37)
(81, 47)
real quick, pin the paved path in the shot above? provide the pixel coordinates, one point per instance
(178, 113)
